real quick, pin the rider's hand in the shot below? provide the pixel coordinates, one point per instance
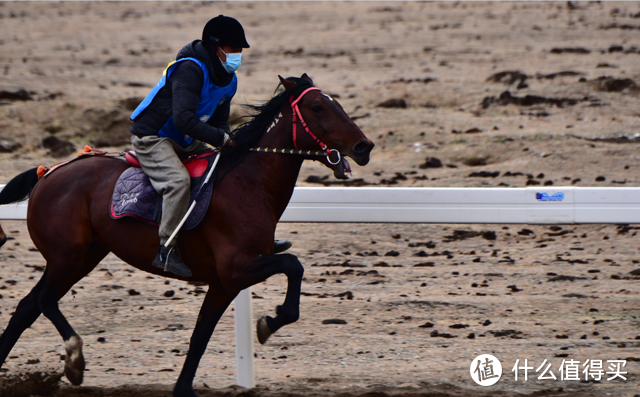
(228, 141)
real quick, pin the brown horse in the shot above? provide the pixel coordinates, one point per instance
(231, 249)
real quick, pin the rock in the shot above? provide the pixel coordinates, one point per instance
(570, 50)
(136, 84)
(54, 127)
(392, 253)
(506, 98)
(611, 84)
(173, 327)
(394, 103)
(15, 93)
(487, 323)
(512, 333)
(484, 174)
(131, 103)
(347, 295)
(334, 321)
(459, 326)
(111, 127)
(514, 288)
(473, 130)
(476, 160)
(431, 162)
(566, 278)
(436, 334)
(7, 146)
(600, 178)
(508, 77)
(58, 147)
(489, 235)
(563, 73)
(133, 292)
(169, 294)
(428, 244)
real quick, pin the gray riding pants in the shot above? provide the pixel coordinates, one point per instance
(161, 160)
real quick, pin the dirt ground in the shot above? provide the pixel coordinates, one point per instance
(472, 93)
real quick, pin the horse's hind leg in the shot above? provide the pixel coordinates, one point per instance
(26, 314)
(62, 276)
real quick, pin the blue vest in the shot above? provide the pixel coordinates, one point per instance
(210, 97)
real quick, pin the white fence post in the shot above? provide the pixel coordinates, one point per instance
(243, 315)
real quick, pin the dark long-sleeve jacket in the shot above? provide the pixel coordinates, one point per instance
(180, 96)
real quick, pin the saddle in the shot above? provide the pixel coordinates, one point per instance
(196, 165)
(135, 197)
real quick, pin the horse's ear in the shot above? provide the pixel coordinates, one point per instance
(306, 77)
(286, 83)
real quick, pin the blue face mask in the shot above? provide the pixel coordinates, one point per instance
(233, 61)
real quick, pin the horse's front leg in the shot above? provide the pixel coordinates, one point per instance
(215, 303)
(250, 271)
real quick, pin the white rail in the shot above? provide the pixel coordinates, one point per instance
(532, 205)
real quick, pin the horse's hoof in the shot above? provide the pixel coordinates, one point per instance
(186, 391)
(264, 332)
(74, 363)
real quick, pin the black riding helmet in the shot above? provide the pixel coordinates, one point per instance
(224, 30)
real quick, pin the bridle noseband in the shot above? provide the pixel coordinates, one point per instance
(298, 115)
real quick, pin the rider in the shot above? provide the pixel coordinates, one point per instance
(188, 109)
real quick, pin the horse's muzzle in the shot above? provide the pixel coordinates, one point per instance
(360, 152)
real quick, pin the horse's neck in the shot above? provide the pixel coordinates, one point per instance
(273, 176)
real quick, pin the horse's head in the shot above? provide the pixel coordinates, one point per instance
(320, 120)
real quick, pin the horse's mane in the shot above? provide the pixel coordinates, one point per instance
(249, 132)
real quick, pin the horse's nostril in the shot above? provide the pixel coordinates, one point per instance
(363, 147)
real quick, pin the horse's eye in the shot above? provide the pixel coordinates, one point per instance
(316, 108)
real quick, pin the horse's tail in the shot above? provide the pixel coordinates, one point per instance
(20, 187)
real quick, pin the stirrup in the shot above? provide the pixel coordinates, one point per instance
(166, 261)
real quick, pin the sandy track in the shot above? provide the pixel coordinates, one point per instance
(438, 58)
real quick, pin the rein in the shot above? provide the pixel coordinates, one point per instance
(325, 152)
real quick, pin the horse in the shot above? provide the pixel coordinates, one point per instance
(230, 250)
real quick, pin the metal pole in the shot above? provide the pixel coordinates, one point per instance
(245, 372)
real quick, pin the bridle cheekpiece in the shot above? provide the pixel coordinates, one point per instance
(297, 115)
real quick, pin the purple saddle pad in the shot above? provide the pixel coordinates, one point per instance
(135, 197)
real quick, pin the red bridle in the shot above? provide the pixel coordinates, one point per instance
(297, 115)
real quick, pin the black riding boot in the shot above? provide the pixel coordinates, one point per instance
(281, 246)
(169, 259)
